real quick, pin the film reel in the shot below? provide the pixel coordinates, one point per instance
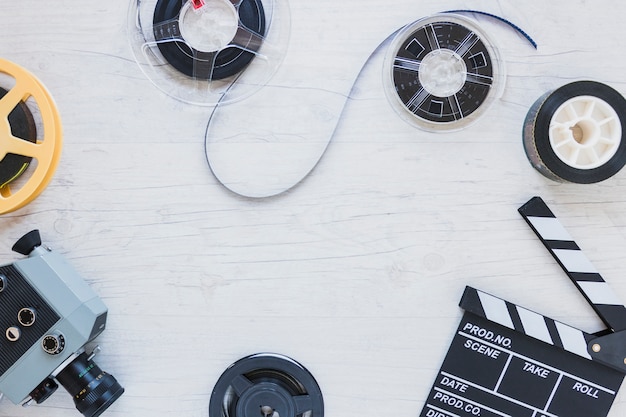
(196, 53)
(21, 125)
(186, 49)
(21, 142)
(576, 133)
(442, 72)
(266, 385)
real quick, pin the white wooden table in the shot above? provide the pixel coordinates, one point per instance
(357, 271)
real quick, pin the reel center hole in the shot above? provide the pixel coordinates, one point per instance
(267, 411)
(210, 28)
(585, 132)
(442, 72)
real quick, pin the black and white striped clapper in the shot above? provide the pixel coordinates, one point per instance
(506, 360)
(574, 262)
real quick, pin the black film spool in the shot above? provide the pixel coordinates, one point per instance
(266, 385)
(576, 133)
(229, 61)
(23, 127)
(443, 71)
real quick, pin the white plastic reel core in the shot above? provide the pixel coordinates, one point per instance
(210, 28)
(442, 72)
(585, 132)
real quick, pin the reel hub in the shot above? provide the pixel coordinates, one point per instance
(266, 385)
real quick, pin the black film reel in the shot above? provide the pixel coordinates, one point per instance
(23, 127)
(576, 133)
(443, 69)
(266, 385)
(213, 65)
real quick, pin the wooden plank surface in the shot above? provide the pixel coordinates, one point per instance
(357, 271)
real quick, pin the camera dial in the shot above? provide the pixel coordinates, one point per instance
(26, 316)
(13, 334)
(53, 343)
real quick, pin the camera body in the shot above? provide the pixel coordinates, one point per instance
(48, 313)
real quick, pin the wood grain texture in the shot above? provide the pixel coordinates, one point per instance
(357, 271)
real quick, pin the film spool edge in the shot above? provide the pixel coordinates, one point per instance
(56, 154)
(539, 165)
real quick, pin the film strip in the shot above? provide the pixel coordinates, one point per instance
(506, 360)
(279, 156)
(576, 133)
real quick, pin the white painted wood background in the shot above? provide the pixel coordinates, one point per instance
(357, 271)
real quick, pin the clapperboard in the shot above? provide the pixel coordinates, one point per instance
(506, 360)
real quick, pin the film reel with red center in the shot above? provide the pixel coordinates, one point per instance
(197, 55)
(207, 52)
(266, 385)
(30, 137)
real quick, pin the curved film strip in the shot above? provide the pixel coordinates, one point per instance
(267, 155)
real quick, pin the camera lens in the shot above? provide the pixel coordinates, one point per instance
(93, 389)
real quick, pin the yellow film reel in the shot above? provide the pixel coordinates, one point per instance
(26, 97)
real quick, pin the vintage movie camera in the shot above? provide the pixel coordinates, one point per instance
(47, 315)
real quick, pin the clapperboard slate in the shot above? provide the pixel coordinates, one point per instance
(505, 360)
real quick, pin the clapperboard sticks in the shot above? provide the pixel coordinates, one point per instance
(506, 360)
(608, 347)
